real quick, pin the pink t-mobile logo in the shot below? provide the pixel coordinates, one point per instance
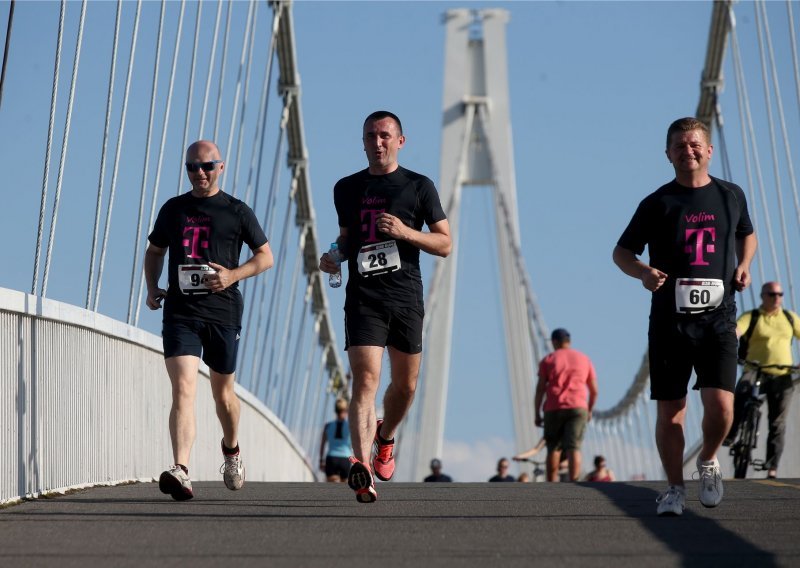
(195, 238)
(369, 218)
(697, 243)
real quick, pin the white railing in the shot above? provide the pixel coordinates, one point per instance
(85, 399)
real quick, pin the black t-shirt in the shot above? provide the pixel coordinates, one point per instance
(690, 233)
(499, 477)
(441, 478)
(198, 230)
(359, 199)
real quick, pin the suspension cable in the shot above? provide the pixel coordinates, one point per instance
(62, 161)
(148, 140)
(222, 71)
(763, 30)
(103, 154)
(211, 61)
(117, 155)
(160, 163)
(48, 150)
(793, 43)
(189, 94)
(5, 49)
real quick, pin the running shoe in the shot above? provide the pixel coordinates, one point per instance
(232, 470)
(360, 480)
(672, 502)
(176, 482)
(710, 482)
(383, 462)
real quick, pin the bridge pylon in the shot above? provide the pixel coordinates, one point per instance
(476, 151)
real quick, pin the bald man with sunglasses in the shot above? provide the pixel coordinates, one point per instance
(770, 328)
(203, 230)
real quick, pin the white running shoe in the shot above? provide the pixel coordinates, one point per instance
(232, 471)
(672, 502)
(176, 482)
(710, 482)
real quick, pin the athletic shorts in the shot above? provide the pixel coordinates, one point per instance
(706, 343)
(400, 328)
(337, 466)
(565, 428)
(218, 344)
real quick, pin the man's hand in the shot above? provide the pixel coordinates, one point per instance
(539, 421)
(741, 278)
(653, 278)
(221, 280)
(154, 298)
(327, 265)
(392, 226)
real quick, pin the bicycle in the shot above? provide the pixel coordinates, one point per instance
(538, 469)
(747, 440)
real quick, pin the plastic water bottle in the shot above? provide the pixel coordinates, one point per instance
(335, 278)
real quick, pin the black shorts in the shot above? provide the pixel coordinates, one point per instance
(218, 344)
(706, 343)
(400, 328)
(337, 466)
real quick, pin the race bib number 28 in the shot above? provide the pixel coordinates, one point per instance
(378, 258)
(192, 278)
(696, 295)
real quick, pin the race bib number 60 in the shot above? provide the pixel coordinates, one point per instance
(193, 278)
(696, 295)
(378, 258)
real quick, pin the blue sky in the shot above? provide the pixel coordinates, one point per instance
(593, 87)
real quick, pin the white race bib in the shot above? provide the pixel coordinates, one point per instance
(193, 278)
(696, 295)
(378, 258)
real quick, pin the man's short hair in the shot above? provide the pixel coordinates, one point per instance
(687, 124)
(559, 335)
(436, 464)
(379, 114)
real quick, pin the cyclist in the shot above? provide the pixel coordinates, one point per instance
(766, 336)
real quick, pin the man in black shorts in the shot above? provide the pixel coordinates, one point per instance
(381, 212)
(203, 230)
(701, 242)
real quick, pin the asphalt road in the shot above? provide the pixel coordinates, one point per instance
(412, 524)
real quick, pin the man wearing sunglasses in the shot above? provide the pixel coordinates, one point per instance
(766, 336)
(203, 230)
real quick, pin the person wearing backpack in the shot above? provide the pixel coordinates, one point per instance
(765, 335)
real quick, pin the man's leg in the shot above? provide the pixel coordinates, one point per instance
(779, 396)
(669, 438)
(182, 371)
(553, 459)
(227, 406)
(365, 364)
(575, 459)
(717, 418)
(400, 392)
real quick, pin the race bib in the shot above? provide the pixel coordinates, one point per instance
(697, 295)
(378, 258)
(192, 278)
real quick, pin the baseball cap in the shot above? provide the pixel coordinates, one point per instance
(435, 463)
(559, 334)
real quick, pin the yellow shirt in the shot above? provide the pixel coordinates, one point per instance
(771, 342)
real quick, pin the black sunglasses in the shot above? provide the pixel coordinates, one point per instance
(193, 167)
(773, 294)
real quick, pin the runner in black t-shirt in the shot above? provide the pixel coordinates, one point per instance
(701, 243)
(381, 212)
(204, 231)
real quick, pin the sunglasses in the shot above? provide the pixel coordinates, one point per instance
(773, 294)
(193, 167)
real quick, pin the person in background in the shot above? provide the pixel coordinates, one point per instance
(436, 475)
(600, 471)
(336, 436)
(502, 472)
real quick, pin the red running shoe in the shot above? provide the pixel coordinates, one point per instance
(383, 462)
(360, 480)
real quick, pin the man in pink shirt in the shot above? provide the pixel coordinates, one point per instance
(566, 377)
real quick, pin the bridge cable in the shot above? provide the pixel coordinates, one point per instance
(117, 155)
(189, 95)
(249, 67)
(149, 137)
(793, 43)
(160, 163)
(103, 154)
(5, 49)
(223, 62)
(211, 61)
(762, 28)
(53, 100)
(62, 161)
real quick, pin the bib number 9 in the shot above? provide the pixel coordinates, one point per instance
(193, 278)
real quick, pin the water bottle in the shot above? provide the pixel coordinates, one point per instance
(335, 279)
